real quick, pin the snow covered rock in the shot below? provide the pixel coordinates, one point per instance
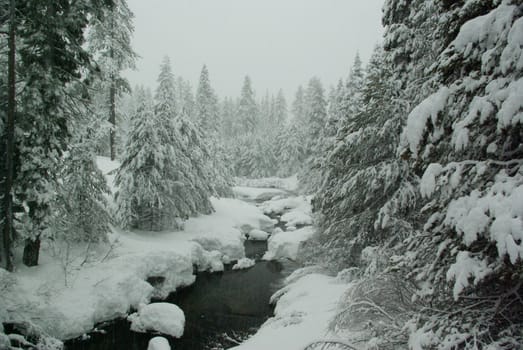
(279, 205)
(243, 263)
(286, 244)
(5, 343)
(256, 194)
(158, 343)
(296, 218)
(258, 235)
(294, 211)
(159, 317)
(289, 184)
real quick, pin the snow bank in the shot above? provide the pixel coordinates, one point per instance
(294, 211)
(243, 263)
(280, 205)
(296, 218)
(289, 184)
(302, 314)
(256, 194)
(158, 343)
(115, 277)
(164, 318)
(258, 235)
(286, 244)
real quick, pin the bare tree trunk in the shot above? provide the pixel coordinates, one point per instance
(31, 251)
(10, 140)
(112, 119)
(112, 98)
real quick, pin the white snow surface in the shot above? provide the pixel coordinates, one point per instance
(304, 309)
(289, 184)
(243, 263)
(294, 211)
(256, 193)
(280, 205)
(428, 181)
(429, 109)
(164, 318)
(258, 235)
(114, 279)
(286, 244)
(158, 343)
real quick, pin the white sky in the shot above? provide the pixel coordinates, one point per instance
(278, 43)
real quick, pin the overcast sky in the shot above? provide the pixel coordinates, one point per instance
(278, 43)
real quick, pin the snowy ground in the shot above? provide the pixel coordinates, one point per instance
(66, 295)
(293, 212)
(288, 184)
(304, 309)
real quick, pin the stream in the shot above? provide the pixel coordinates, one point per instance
(221, 309)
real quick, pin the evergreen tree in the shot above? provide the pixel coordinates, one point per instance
(315, 117)
(279, 115)
(206, 104)
(334, 110)
(290, 154)
(247, 108)
(110, 40)
(51, 56)
(351, 96)
(81, 204)
(298, 105)
(165, 176)
(266, 113)
(463, 144)
(314, 121)
(143, 192)
(228, 117)
(361, 170)
(185, 98)
(208, 123)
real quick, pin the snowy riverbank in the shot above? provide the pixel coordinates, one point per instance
(115, 277)
(304, 309)
(67, 294)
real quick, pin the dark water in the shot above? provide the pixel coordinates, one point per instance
(218, 307)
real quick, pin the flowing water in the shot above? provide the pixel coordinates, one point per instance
(220, 309)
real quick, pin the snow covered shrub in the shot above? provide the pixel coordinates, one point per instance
(378, 306)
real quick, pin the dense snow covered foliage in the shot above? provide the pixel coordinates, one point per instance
(439, 199)
(164, 176)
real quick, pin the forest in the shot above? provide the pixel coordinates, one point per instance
(394, 198)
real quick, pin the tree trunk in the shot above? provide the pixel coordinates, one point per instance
(10, 137)
(31, 252)
(112, 120)
(112, 97)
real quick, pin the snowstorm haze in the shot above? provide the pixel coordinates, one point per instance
(278, 43)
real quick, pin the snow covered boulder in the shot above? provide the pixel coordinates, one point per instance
(286, 244)
(296, 217)
(158, 343)
(244, 263)
(256, 194)
(164, 318)
(258, 235)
